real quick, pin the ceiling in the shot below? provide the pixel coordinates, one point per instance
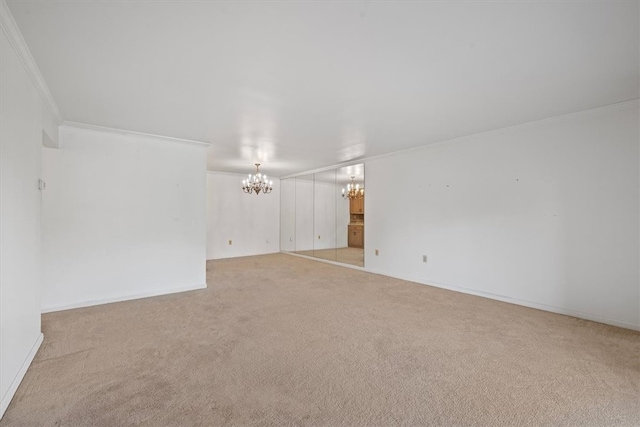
(302, 85)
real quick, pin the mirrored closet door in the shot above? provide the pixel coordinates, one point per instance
(322, 215)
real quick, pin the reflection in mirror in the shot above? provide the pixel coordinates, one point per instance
(304, 215)
(324, 243)
(319, 219)
(350, 180)
(288, 215)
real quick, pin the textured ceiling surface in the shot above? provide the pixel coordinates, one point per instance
(302, 85)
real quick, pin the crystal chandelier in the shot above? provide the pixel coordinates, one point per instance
(353, 191)
(257, 183)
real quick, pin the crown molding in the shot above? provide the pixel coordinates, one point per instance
(631, 103)
(623, 105)
(358, 161)
(133, 133)
(16, 40)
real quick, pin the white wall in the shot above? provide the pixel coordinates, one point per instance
(124, 217)
(544, 215)
(20, 219)
(250, 221)
(49, 129)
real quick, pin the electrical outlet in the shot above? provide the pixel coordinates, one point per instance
(377, 253)
(230, 242)
(424, 258)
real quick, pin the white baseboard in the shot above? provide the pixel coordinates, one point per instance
(6, 399)
(544, 307)
(120, 298)
(242, 255)
(524, 303)
(328, 261)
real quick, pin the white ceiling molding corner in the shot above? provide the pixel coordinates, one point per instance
(327, 168)
(129, 132)
(14, 35)
(632, 103)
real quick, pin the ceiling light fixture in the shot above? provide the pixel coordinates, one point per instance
(353, 190)
(257, 183)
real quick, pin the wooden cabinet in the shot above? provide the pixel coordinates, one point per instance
(356, 228)
(356, 206)
(356, 236)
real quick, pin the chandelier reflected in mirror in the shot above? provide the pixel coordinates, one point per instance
(257, 183)
(353, 190)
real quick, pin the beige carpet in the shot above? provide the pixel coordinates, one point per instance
(353, 256)
(282, 340)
